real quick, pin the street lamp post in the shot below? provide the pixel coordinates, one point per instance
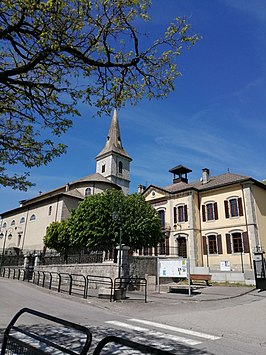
(2, 235)
(116, 217)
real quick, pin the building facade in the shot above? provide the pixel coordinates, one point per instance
(23, 228)
(218, 222)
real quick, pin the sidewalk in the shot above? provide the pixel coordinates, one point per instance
(204, 293)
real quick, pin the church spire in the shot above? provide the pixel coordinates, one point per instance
(113, 142)
(113, 162)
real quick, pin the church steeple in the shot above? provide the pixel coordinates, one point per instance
(113, 142)
(113, 162)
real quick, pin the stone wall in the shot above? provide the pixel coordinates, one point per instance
(104, 269)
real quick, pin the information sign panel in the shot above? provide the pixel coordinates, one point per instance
(173, 268)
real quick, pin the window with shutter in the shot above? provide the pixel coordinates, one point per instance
(210, 211)
(237, 242)
(212, 244)
(180, 214)
(233, 207)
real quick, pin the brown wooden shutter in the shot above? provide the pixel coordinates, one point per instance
(240, 206)
(246, 242)
(185, 212)
(228, 243)
(167, 246)
(219, 242)
(175, 219)
(204, 245)
(226, 209)
(215, 210)
(203, 213)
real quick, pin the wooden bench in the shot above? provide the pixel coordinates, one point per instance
(201, 277)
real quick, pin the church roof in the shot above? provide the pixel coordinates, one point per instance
(113, 143)
(68, 189)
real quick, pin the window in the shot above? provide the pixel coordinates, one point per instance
(88, 191)
(233, 207)
(209, 211)
(212, 244)
(22, 220)
(120, 167)
(162, 217)
(50, 211)
(32, 217)
(180, 213)
(182, 247)
(19, 239)
(4, 225)
(237, 242)
(103, 168)
(13, 222)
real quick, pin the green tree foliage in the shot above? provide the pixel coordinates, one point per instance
(58, 238)
(55, 53)
(97, 221)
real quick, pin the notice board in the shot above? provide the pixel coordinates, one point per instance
(173, 268)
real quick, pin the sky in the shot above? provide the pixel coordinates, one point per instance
(214, 119)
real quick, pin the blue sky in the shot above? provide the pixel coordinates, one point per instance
(214, 119)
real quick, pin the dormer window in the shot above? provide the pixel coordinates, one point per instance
(103, 168)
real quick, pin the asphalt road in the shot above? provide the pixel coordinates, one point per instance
(234, 326)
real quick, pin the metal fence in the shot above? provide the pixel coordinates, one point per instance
(81, 285)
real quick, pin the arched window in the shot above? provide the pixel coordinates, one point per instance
(120, 167)
(32, 217)
(4, 225)
(22, 220)
(88, 191)
(13, 222)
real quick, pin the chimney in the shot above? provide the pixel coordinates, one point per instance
(205, 175)
(141, 189)
(67, 187)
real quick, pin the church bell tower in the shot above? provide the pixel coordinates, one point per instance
(113, 162)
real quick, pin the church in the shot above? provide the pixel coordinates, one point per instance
(24, 227)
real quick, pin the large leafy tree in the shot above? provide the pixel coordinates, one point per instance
(101, 220)
(58, 238)
(56, 52)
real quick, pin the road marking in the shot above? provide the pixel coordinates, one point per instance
(155, 333)
(175, 329)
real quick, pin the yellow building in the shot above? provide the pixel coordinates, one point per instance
(218, 222)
